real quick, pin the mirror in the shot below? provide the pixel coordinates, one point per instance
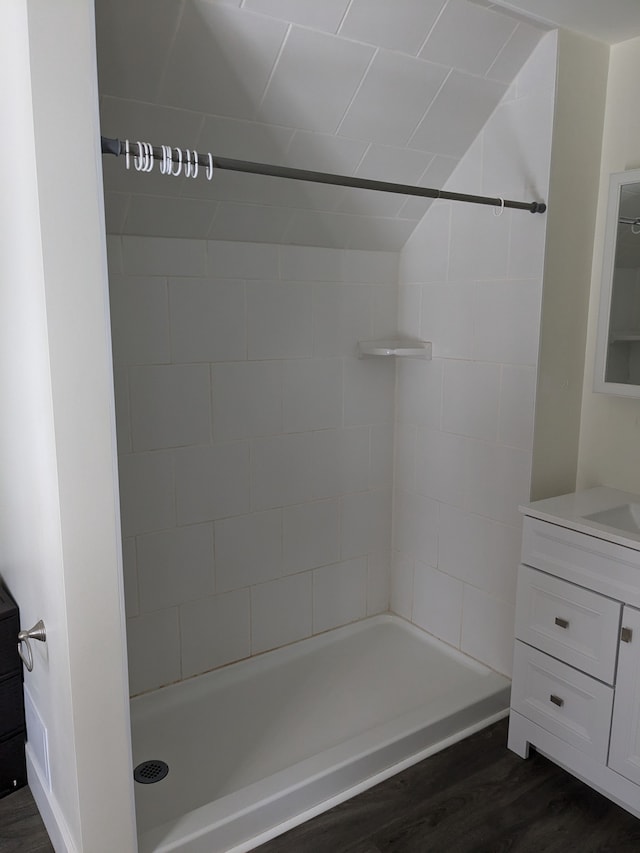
(618, 344)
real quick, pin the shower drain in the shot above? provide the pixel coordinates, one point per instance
(150, 771)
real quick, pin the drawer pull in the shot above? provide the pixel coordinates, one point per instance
(556, 700)
(561, 623)
(626, 634)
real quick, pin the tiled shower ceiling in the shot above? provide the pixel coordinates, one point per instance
(394, 90)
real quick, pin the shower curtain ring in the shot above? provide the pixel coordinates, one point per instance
(209, 167)
(137, 159)
(175, 173)
(195, 164)
(187, 164)
(149, 161)
(127, 154)
(501, 211)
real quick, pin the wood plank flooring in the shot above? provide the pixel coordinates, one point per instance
(475, 797)
(21, 827)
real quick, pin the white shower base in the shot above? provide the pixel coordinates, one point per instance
(262, 745)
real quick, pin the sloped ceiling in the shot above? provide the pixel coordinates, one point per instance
(394, 90)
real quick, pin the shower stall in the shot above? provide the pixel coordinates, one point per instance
(319, 548)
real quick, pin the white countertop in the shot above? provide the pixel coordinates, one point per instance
(570, 511)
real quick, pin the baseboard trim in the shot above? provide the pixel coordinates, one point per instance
(49, 809)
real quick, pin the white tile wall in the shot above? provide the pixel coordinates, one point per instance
(339, 594)
(256, 449)
(281, 612)
(471, 282)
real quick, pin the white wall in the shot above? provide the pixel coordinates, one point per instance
(58, 529)
(610, 425)
(255, 448)
(573, 196)
(471, 283)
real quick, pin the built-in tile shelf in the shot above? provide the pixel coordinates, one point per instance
(402, 348)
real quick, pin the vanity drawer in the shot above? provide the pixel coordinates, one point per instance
(580, 558)
(568, 622)
(563, 701)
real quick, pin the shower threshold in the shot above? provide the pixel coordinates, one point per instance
(262, 745)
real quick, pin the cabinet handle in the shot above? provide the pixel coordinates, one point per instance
(556, 700)
(561, 623)
(626, 634)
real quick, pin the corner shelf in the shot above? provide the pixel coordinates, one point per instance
(401, 348)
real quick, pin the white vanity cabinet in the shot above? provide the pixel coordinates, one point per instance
(576, 675)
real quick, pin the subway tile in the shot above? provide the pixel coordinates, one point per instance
(507, 316)
(239, 139)
(368, 391)
(170, 406)
(487, 629)
(437, 603)
(419, 392)
(405, 458)
(446, 319)
(378, 582)
(517, 406)
(282, 470)
(240, 48)
(153, 643)
(208, 320)
(169, 216)
(123, 420)
(365, 523)
(402, 26)
(479, 551)
(341, 318)
(340, 461)
(163, 256)
(139, 319)
(278, 320)
(311, 534)
(215, 631)
(146, 492)
(339, 594)
(247, 399)
(212, 482)
(381, 467)
(324, 152)
(255, 222)
(416, 527)
(241, 260)
(130, 575)
(479, 244)
(498, 480)
(317, 101)
(311, 394)
(426, 256)
(405, 85)
(402, 566)
(175, 566)
(471, 394)
(468, 37)
(448, 130)
(440, 466)
(317, 16)
(310, 263)
(248, 549)
(281, 612)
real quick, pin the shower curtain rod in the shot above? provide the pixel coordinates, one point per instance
(117, 147)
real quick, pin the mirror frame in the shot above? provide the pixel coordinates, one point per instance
(616, 181)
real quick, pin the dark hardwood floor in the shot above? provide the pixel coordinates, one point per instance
(21, 827)
(475, 797)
